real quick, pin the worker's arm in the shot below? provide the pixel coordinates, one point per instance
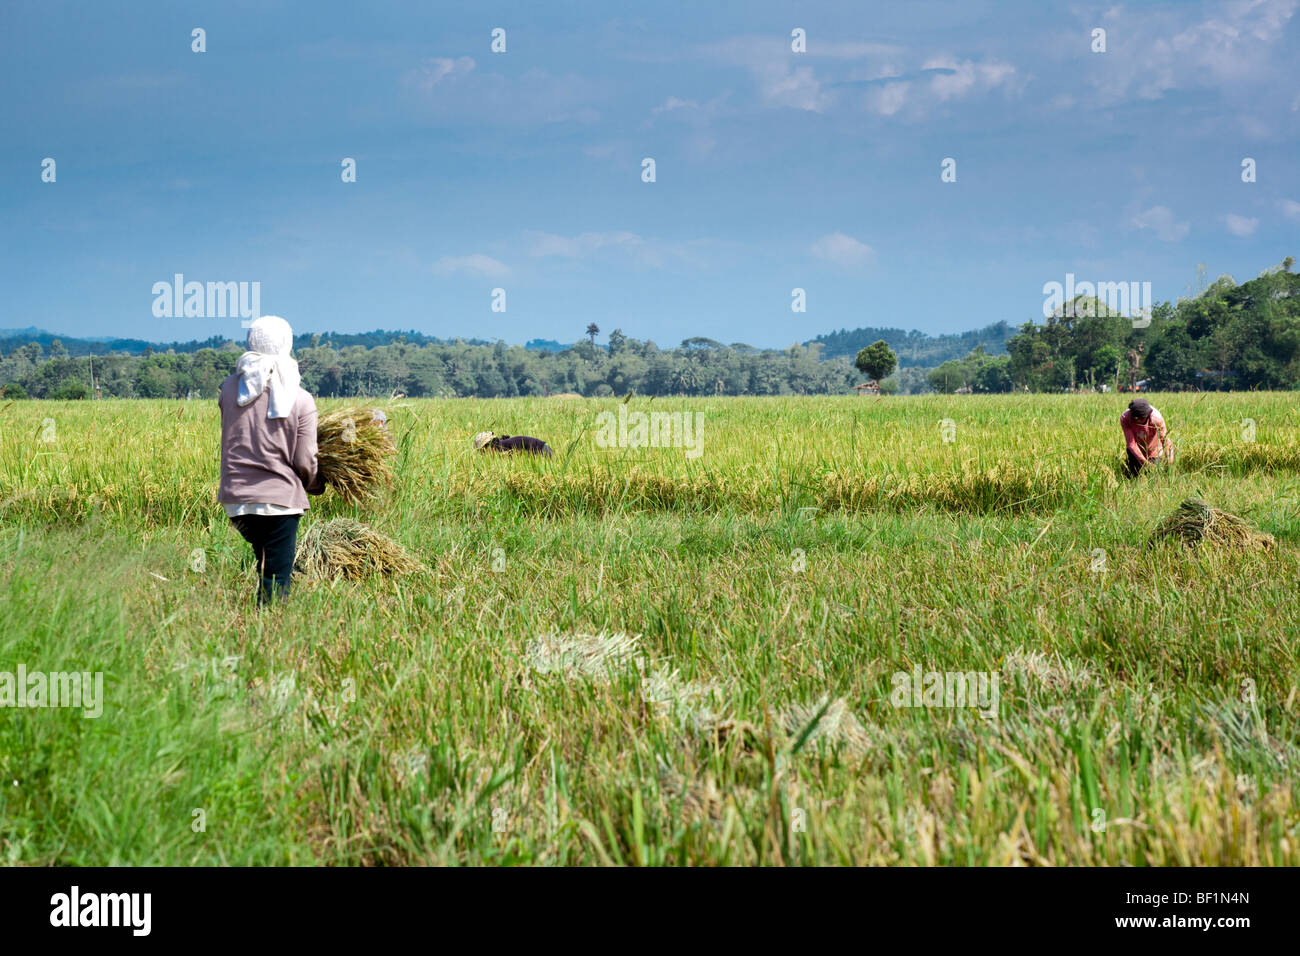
(305, 462)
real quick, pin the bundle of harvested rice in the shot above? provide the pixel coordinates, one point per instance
(596, 657)
(829, 720)
(355, 453)
(1196, 523)
(343, 548)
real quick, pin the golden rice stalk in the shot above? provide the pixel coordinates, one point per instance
(355, 453)
(343, 548)
(1195, 523)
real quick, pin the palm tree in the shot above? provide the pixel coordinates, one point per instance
(593, 330)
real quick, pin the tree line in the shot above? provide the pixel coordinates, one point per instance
(1226, 336)
(456, 369)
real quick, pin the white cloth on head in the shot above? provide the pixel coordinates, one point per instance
(267, 365)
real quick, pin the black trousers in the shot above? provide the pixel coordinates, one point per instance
(275, 542)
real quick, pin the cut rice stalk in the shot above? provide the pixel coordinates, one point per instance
(343, 548)
(355, 453)
(1195, 523)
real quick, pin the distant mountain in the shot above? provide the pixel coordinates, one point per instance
(11, 339)
(917, 348)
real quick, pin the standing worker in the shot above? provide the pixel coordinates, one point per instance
(1146, 439)
(268, 452)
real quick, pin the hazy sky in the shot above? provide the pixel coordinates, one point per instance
(522, 170)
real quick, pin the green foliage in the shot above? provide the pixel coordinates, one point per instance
(70, 389)
(876, 360)
(1228, 337)
(978, 371)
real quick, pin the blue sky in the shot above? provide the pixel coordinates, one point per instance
(522, 170)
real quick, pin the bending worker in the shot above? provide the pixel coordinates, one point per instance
(487, 441)
(1146, 438)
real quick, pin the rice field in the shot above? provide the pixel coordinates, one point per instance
(640, 656)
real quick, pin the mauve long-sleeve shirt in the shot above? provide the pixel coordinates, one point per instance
(1147, 439)
(267, 460)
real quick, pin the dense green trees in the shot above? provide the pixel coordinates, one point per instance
(699, 367)
(978, 372)
(1228, 337)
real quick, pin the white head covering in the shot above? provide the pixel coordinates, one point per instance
(482, 438)
(267, 365)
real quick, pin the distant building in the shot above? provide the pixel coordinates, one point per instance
(867, 388)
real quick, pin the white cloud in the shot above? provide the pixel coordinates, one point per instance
(888, 99)
(768, 60)
(1161, 220)
(836, 72)
(851, 50)
(673, 103)
(690, 111)
(435, 69)
(1240, 225)
(584, 245)
(1290, 208)
(797, 88)
(843, 251)
(455, 89)
(477, 265)
(966, 77)
(1237, 44)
